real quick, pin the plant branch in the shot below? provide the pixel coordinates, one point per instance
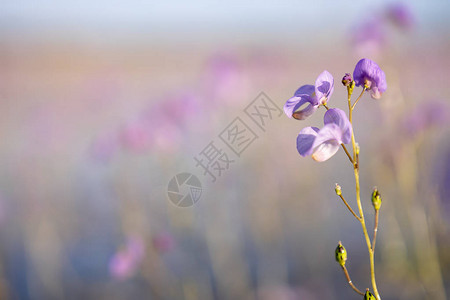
(349, 280)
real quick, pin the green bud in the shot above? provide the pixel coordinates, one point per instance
(376, 199)
(338, 189)
(369, 296)
(341, 254)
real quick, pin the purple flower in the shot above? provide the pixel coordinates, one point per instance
(311, 95)
(367, 73)
(323, 143)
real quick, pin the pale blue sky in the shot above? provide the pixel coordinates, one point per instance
(173, 19)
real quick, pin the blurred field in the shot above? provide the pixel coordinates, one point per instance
(91, 133)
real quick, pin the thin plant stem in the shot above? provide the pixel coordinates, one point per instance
(349, 208)
(348, 154)
(375, 229)
(354, 104)
(358, 199)
(349, 280)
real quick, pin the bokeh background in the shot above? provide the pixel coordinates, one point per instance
(103, 102)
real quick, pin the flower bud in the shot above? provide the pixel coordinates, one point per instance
(351, 86)
(369, 296)
(347, 79)
(376, 199)
(341, 254)
(338, 189)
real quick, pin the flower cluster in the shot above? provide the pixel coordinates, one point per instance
(323, 143)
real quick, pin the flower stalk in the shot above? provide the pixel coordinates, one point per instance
(358, 195)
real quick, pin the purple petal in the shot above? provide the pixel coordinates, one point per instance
(295, 103)
(367, 69)
(324, 87)
(305, 140)
(338, 117)
(307, 89)
(327, 142)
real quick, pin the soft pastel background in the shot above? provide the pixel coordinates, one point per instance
(103, 102)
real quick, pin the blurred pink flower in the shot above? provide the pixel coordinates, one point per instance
(160, 127)
(163, 242)
(125, 263)
(136, 136)
(223, 79)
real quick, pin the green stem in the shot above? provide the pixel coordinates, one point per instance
(358, 198)
(375, 229)
(349, 208)
(347, 276)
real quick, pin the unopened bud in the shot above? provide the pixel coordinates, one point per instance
(357, 149)
(369, 296)
(341, 254)
(338, 189)
(347, 79)
(351, 86)
(376, 199)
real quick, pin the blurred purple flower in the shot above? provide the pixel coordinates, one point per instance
(368, 74)
(369, 36)
(323, 143)
(312, 95)
(177, 109)
(426, 115)
(163, 242)
(223, 79)
(125, 262)
(160, 126)
(104, 146)
(401, 15)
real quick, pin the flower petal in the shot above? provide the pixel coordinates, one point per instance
(327, 142)
(324, 87)
(325, 150)
(338, 117)
(375, 93)
(295, 103)
(367, 69)
(307, 89)
(305, 140)
(304, 113)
